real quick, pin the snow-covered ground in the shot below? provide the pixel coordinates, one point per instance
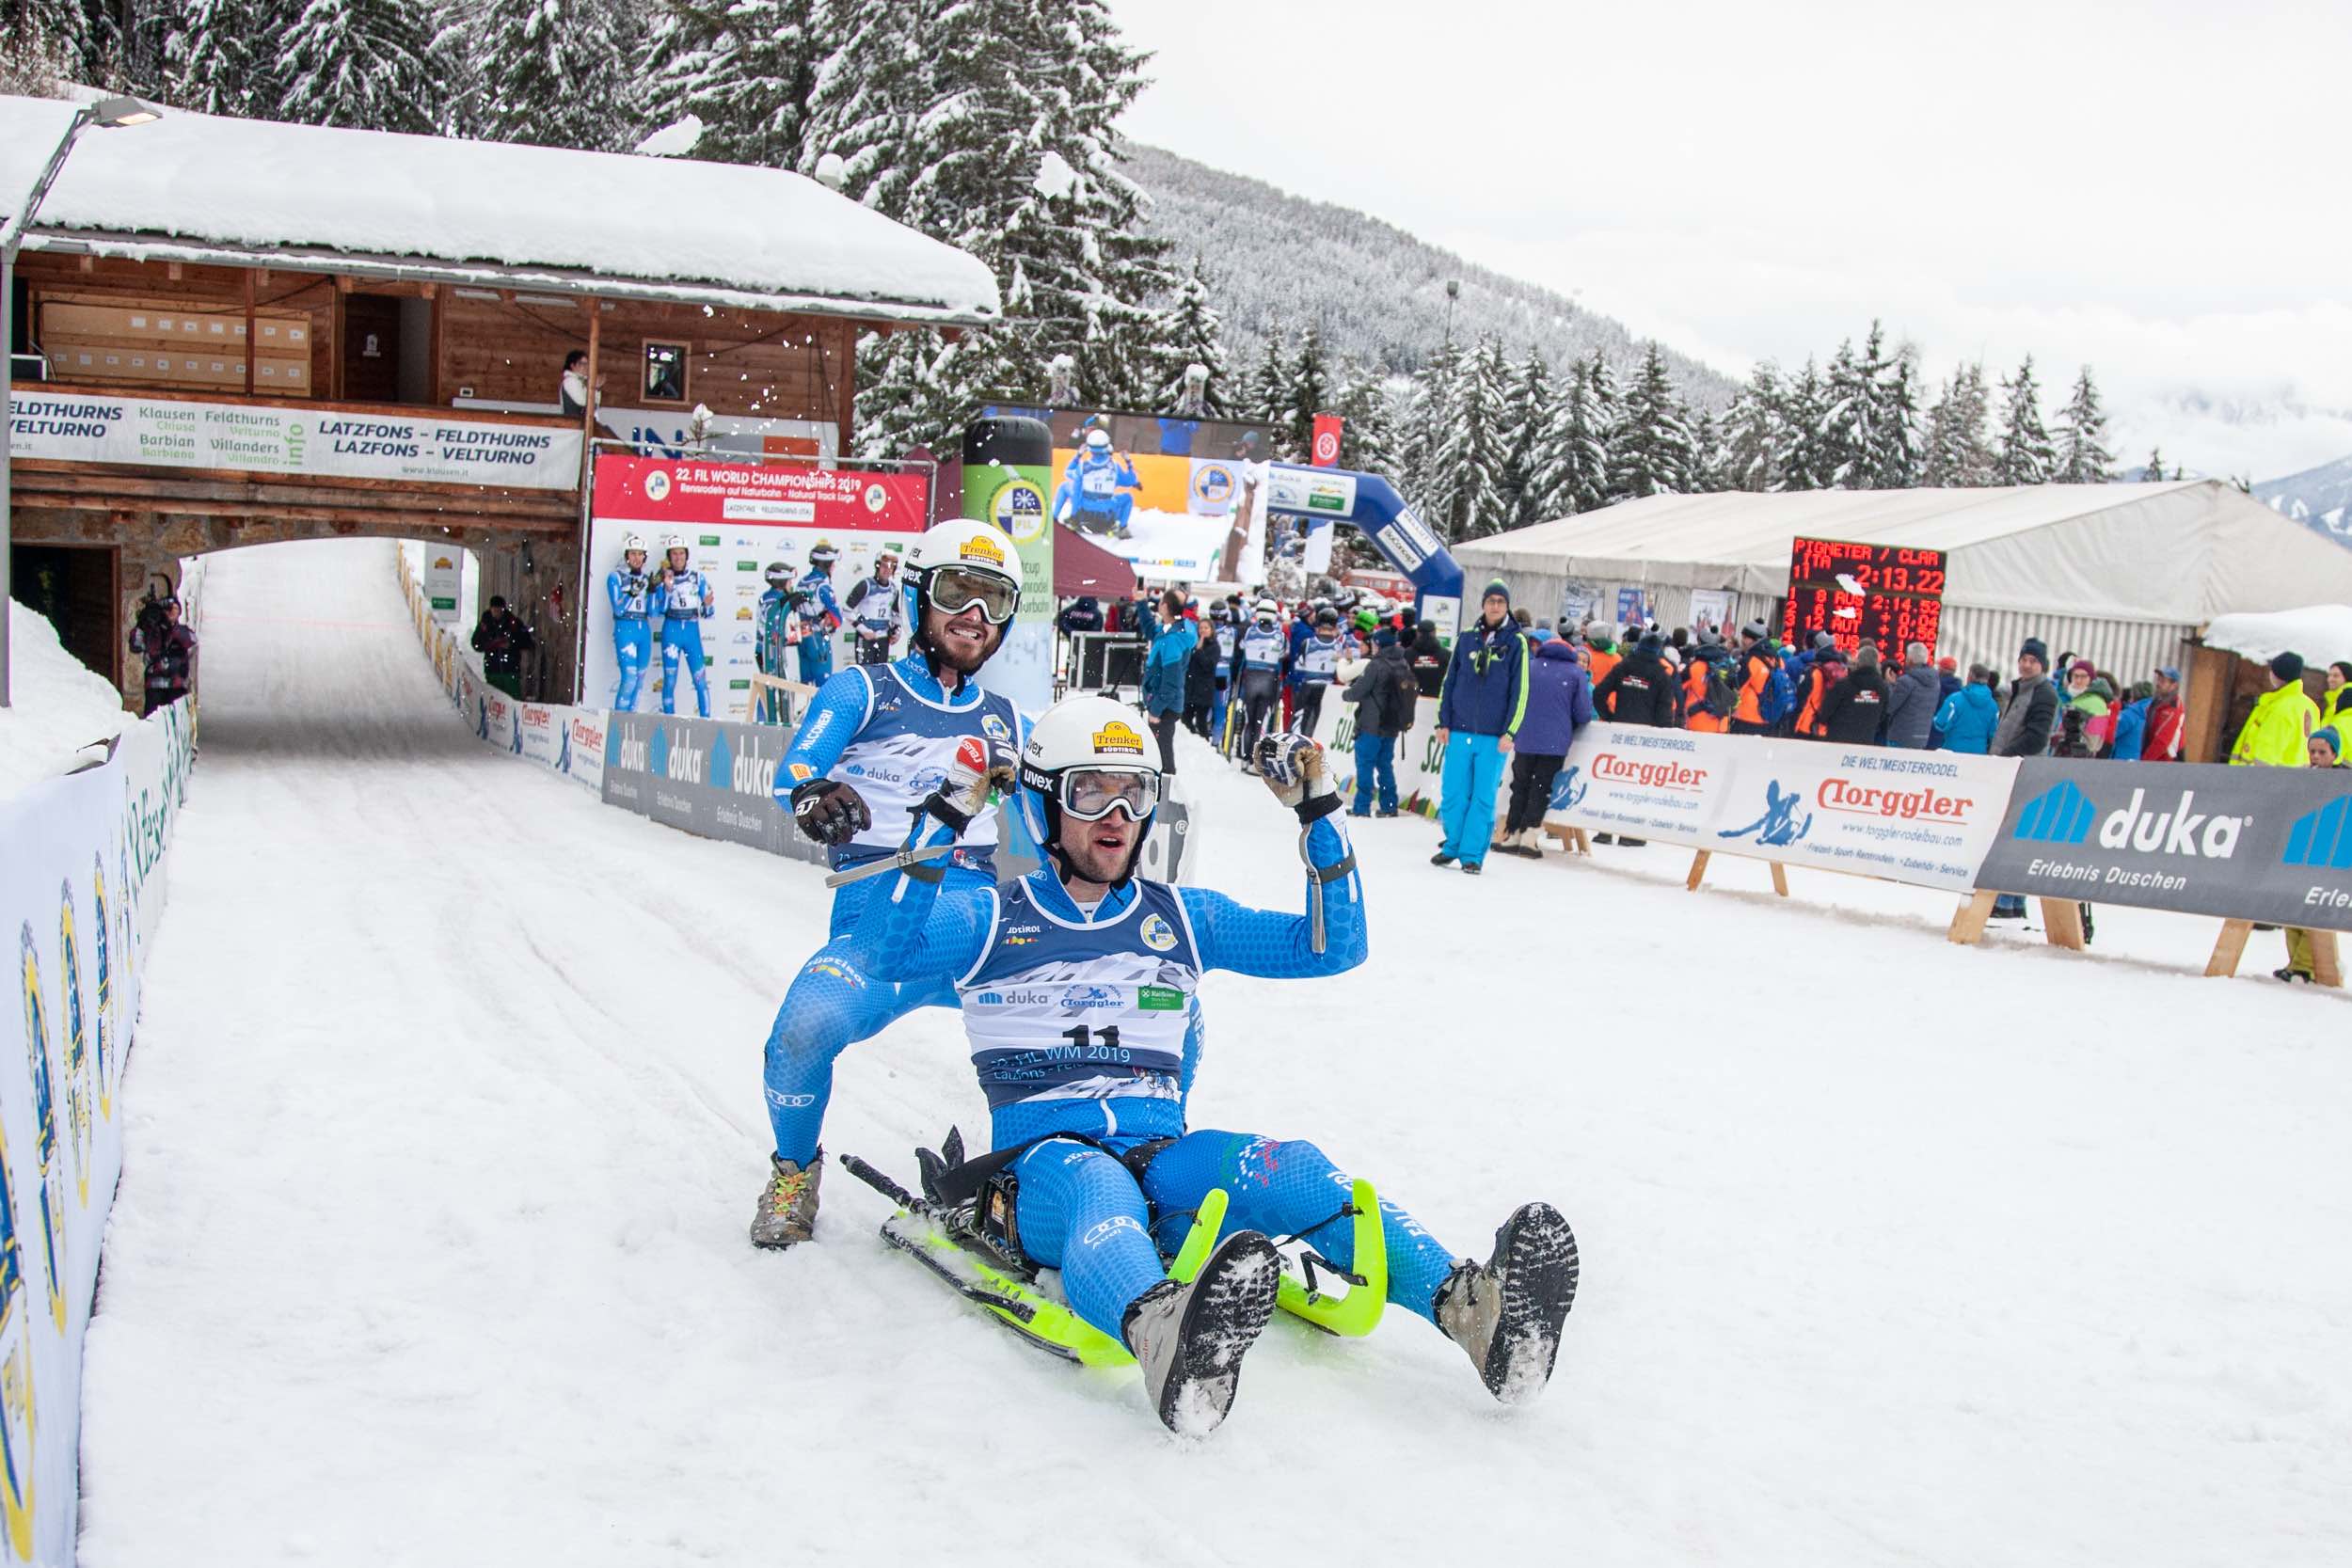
(59, 712)
(445, 1121)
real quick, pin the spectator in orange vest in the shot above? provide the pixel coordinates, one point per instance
(1829, 668)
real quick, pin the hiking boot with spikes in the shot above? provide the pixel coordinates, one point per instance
(787, 1203)
(1507, 1312)
(1189, 1339)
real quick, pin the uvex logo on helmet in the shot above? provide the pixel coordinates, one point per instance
(1117, 736)
(979, 546)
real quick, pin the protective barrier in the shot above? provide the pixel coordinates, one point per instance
(82, 889)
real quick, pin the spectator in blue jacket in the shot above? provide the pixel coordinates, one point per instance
(1559, 704)
(1968, 717)
(1479, 713)
(2131, 724)
(1164, 669)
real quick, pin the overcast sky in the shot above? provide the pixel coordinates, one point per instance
(2156, 188)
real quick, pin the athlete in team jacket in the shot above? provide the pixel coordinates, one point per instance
(1079, 984)
(877, 739)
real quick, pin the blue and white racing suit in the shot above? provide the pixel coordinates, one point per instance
(821, 617)
(1096, 494)
(630, 594)
(890, 732)
(686, 604)
(1089, 1022)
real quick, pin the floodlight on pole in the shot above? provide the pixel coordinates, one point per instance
(109, 114)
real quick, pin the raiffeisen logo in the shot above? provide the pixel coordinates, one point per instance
(1649, 775)
(2064, 815)
(1868, 800)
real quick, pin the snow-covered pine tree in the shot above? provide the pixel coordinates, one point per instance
(1190, 332)
(2083, 456)
(34, 61)
(1588, 436)
(1266, 390)
(1706, 450)
(1529, 477)
(208, 60)
(1466, 460)
(358, 63)
(1802, 460)
(551, 72)
(1426, 397)
(2026, 454)
(1309, 392)
(746, 68)
(1752, 435)
(1366, 403)
(1652, 453)
(1896, 441)
(1959, 451)
(1847, 421)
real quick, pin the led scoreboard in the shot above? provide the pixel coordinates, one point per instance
(1879, 594)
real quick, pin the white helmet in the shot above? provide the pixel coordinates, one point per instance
(1268, 609)
(1070, 747)
(983, 567)
(1098, 440)
(633, 542)
(673, 542)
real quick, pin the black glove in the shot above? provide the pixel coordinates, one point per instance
(979, 765)
(830, 813)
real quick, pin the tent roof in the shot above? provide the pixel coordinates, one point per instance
(1083, 566)
(2178, 553)
(195, 188)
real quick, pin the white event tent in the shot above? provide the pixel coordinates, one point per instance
(2121, 573)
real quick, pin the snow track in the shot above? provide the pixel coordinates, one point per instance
(444, 1123)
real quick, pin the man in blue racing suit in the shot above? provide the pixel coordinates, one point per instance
(629, 592)
(684, 598)
(1096, 494)
(1079, 986)
(819, 613)
(878, 739)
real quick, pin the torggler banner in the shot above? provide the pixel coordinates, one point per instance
(1923, 818)
(2268, 843)
(1644, 784)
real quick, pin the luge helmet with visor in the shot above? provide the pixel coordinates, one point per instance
(955, 566)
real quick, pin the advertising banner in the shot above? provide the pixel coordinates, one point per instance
(444, 580)
(81, 889)
(1923, 818)
(1640, 782)
(2268, 843)
(1711, 606)
(1326, 445)
(1164, 492)
(701, 776)
(736, 520)
(581, 759)
(82, 427)
(1419, 760)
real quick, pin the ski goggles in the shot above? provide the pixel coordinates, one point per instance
(952, 591)
(1091, 794)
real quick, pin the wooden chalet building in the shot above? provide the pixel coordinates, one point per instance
(233, 331)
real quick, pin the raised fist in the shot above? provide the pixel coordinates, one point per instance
(830, 813)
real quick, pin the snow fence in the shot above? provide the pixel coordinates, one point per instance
(82, 883)
(2267, 843)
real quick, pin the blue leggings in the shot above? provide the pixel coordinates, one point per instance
(831, 1006)
(682, 641)
(1082, 1213)
(632, 642)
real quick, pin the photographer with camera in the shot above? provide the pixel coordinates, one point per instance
(169, 648)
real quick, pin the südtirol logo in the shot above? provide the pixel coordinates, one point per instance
(77, 1084)
(44, 1125)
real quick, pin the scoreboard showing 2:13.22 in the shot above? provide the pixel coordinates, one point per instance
(1885, 595)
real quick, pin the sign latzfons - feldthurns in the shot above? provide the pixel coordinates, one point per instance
(330, 442)
(2270, 844)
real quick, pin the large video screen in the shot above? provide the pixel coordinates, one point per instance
(1167, 494)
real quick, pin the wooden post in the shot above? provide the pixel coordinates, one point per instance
(2062, 923)
(2228, 949)
(1780, 878)
(252, 337)
(588, 419)
(1968, 921)
(2327, 967)
(1698, 870)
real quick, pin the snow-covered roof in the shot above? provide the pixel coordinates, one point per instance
(201, 188)
(2322, 633)
(2178, 553)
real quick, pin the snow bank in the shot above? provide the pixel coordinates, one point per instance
(62, 708)
(254, 183)
(2322, 633)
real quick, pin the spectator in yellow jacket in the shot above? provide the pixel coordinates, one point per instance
(2278, 732)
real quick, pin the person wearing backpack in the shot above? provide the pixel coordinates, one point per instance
(1764, 692)
(1385, 694)
(1711, 686)
(1967, 721)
